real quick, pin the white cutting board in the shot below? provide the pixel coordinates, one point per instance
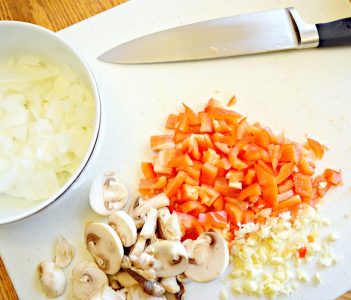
(303, 92)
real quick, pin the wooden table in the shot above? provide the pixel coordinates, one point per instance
(54, 15)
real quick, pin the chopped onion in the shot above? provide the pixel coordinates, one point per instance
(46, 124)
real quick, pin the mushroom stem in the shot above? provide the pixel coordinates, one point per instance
(113, 281)
(136, 292)
(138, 247)
(159, 201)
(125, 280)
(170, 284)
(147, 274)
(178, 295)
(168, 225)
(151, 287)
(144, 261)
(126, 263)
(150, 223)
(139, 221)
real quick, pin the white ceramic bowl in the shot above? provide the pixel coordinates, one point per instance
(18, 38)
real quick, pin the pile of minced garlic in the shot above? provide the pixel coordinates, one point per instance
(267, 260)
(46, 124)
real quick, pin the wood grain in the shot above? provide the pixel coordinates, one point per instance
(7, 292)
(53, 15)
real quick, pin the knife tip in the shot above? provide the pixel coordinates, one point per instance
(103, 57)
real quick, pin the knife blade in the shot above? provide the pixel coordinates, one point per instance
(266, 31)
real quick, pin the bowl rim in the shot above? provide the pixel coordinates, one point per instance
(42, 204)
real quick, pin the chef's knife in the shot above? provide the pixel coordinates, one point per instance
(266, 31)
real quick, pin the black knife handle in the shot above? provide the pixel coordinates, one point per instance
(336, 33)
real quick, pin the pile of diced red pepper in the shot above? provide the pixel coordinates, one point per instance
(218, 170)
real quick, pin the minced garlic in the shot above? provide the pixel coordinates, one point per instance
(266, 259)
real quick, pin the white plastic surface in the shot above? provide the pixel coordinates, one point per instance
(303, 92)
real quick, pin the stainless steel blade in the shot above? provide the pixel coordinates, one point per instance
(230, 36)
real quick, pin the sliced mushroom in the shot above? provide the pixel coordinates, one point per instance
(138, 247)
(113, 283)
(170, 284)
(126, 263)
(151, 287)
(171, 255)
(138, 221)
(124, 225)
(105, 246)
(64, 252)
(123, 293)
(144, 261)
(169, 225)
(106, 293)
(52, 279)
(181, 277)
(178, 295)
(87, 279)
(170, 296)
(107, 194)
(149, 274)
(125, 280)
(149, 227)
(137, 293)
(208, 257)
(159, 201)
(154, 239)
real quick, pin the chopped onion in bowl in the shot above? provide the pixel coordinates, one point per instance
(46, 124)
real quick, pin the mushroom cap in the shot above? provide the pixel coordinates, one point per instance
(125, 227)
(208, 257)
(106, 293)
(107, 194)
(64, 252)
(52, 279)
(105, 246)
(87, 279)
(171, 255)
